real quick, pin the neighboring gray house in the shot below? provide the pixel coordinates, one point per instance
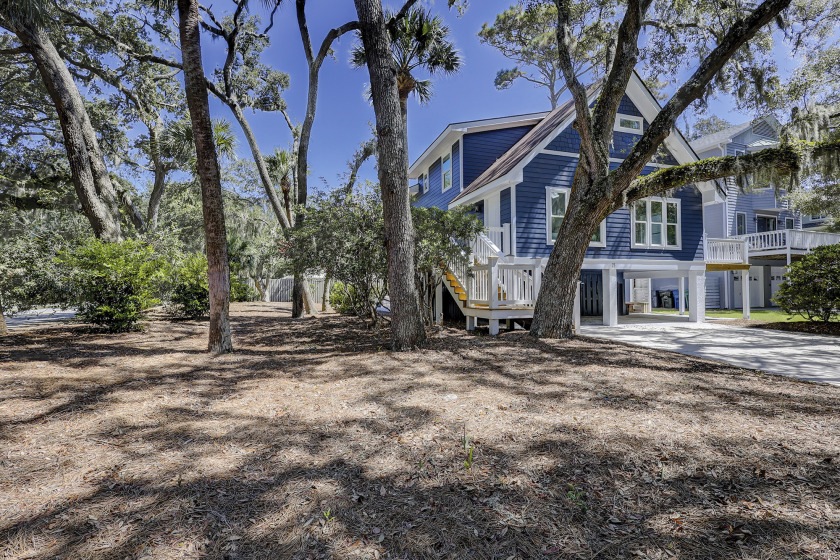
(760, 216)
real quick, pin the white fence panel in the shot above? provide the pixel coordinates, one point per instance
(280, 289)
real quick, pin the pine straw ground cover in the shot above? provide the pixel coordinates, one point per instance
(313, 441)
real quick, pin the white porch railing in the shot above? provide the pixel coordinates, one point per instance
(483, 248)
(808, 240)
(493, 280)
(503, 284)
(500, 236)
(726, 251)
(785, 239)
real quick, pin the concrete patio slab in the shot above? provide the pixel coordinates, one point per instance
(805, 356)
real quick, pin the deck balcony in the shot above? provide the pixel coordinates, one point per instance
(785, 243)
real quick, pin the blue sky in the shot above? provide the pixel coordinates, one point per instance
(344, 115)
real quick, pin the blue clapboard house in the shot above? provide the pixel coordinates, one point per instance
(516, 172)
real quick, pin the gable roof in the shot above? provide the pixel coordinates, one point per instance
(705, 143)
(453, 131)
(509, 167)
(521, 149)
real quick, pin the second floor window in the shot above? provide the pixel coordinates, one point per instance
(446, 172)
(556, 202)
(740, 223)
(656, 222)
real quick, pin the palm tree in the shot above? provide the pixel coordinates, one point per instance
(281, 167)
(418, 40)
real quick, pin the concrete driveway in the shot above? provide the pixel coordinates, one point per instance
(37, 317)
(806, 356)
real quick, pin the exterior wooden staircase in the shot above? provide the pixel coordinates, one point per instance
(493, 286)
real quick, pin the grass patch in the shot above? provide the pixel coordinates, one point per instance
(768, 315)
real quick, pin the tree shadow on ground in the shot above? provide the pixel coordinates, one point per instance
(312, 441)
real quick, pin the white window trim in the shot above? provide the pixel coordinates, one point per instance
(744, 214)
(425, 177)
(443, 187)
(620, 128)
(548, 192)
(603, 242)
(648, 244)
(548, 241)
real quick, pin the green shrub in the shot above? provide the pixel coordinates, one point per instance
(241, 291)
(113, 283)
(811, 287)
(343, 298)
(190, 296)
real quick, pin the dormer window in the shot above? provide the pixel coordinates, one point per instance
(446, 173)
(629, 123)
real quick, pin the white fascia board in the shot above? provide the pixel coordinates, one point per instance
(483, 192)
(675, 142)
(456, 130)
(643, 264)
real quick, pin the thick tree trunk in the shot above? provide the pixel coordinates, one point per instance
(155, 199)
(92, 183)
(301, 288)
(262, 169)
(554, 311)
(207, 165)
(4, 330)
(407, 328)
(159, 182)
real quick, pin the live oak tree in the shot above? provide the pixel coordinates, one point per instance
(734, 43)
(109, 49)
(708, 125)
(28, 21)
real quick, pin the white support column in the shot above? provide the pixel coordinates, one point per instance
(494, 327)
(493, 286)
(470, 323)
(681, 294)
(577, 307)
(745, 292)
(609, 289)
(439, 302)
(697, 288)
(537, 278)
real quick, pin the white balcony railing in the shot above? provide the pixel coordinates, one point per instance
(726, 251)
(788, 239)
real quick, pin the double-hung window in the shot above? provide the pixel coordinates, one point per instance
(446, 173)
(556, 202)
(424, 182)
(789, 223)
(656, 223)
